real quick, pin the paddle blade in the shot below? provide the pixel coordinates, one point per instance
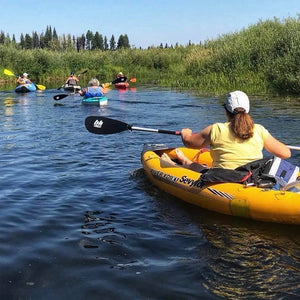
(103, 125)
(40, 87)
(132, 79)
(82, 73)
(8, 72)
(60, 96)
(106, 85)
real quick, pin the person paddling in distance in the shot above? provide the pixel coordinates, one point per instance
(24, 79)
(120, 78)
(72, 80)
(234, 143)
(94, 89)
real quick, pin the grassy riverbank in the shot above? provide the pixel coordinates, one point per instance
(261, 59)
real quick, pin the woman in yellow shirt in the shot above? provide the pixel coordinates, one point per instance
(236, 142)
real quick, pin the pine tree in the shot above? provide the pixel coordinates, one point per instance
(28, 41)
(89, 38)
(22, 41)
(97, 42)
(54, 34)
(105, 44)
(123, 42)
(70, 42)
(54, 43)
(80, 43)
(126, 41)
(48, 36)
(42, 41)
(112, 43)
(2, 37)
(35, 40)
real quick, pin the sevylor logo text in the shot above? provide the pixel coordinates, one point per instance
(170, 178)
(163, 176)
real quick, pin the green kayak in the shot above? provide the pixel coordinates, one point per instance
(94, 101)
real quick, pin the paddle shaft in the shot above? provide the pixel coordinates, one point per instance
(153, 130)
(294, 147)
(82, 73)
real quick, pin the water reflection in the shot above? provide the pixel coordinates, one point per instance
(236, 258)
(252, 261)
(9, 102)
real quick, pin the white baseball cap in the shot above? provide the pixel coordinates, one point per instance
(237, 99)
(25, 74)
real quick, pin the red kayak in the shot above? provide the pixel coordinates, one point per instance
(121, 85)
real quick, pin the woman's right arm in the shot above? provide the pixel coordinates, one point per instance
(196, 140)
(276, 148)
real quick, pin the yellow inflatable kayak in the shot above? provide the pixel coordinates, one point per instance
(262, 204)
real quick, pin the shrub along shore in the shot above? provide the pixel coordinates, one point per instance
(261, 59)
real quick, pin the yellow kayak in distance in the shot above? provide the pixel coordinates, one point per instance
(235, 199)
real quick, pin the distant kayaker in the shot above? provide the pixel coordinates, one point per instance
(72, 79)
(24, 79)
(94, 89)
(234, 143)
(120, 78)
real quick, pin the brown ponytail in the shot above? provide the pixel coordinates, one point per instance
(241, 123)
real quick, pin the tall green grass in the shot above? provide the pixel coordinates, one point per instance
(263, 58)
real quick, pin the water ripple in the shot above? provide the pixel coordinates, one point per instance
(80, 220)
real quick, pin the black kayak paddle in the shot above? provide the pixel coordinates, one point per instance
(60, 96)
(103, 125)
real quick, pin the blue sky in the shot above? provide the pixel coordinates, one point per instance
(146, 22)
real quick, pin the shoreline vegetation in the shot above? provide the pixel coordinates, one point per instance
(262, 59)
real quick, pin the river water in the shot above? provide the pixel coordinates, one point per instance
(79, 220)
